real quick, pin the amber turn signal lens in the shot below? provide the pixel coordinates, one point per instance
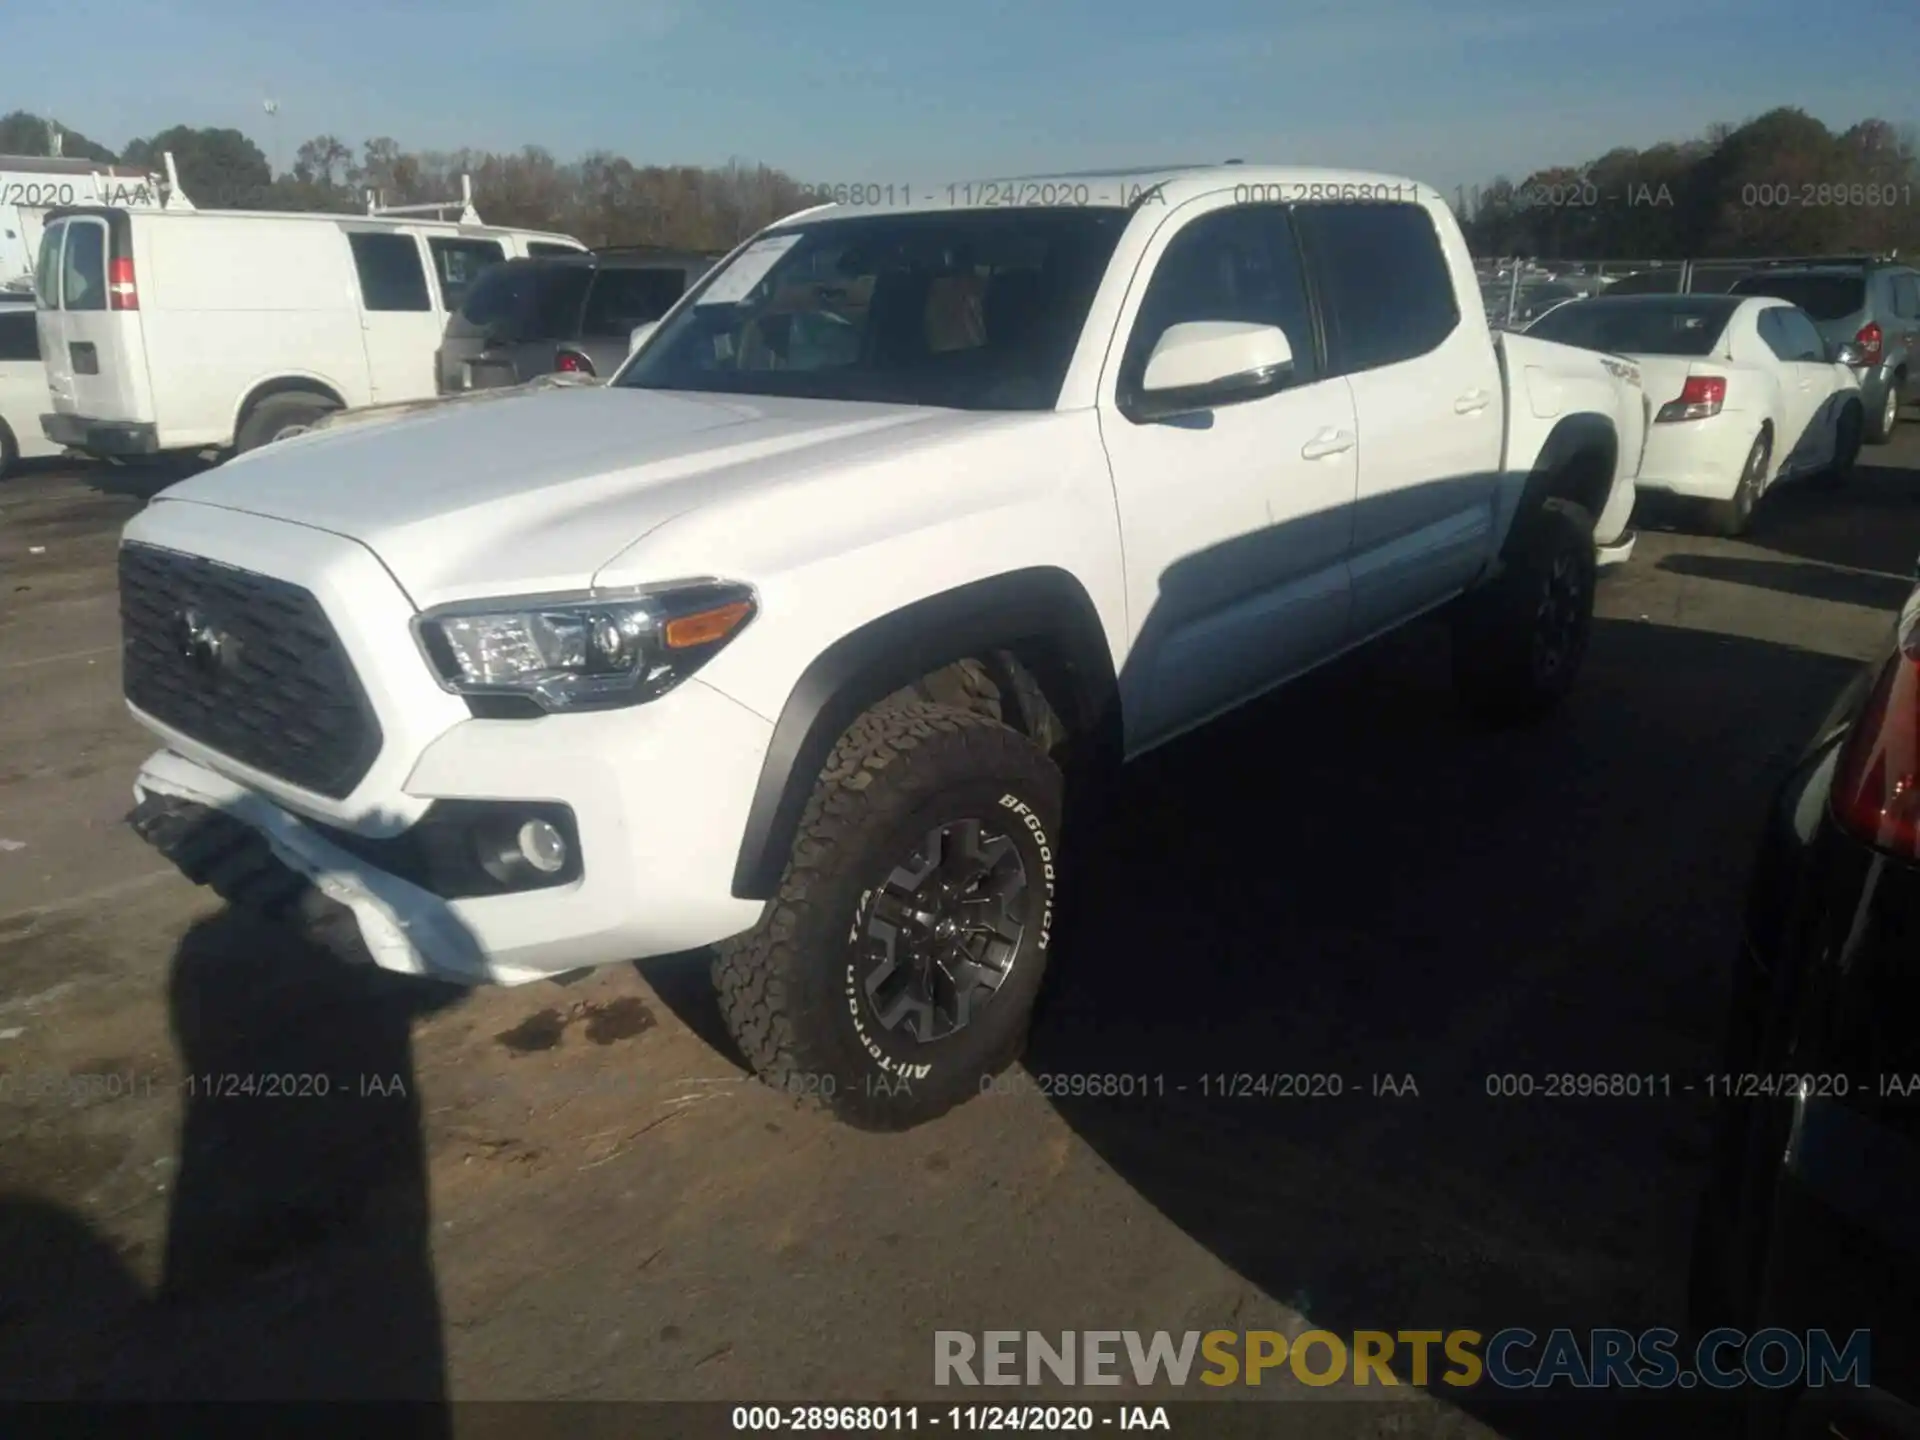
(706, 626)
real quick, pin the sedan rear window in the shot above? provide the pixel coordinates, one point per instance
(1653, 325)
(1824, 297)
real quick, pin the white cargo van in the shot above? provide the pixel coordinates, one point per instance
(214, 330)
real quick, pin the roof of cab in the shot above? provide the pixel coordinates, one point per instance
(1121, 189)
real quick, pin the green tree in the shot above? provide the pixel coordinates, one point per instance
(219, 169)
(25, 134)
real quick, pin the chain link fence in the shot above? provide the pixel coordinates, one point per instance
(1517, 292)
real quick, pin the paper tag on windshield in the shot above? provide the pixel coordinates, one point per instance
(736, 282)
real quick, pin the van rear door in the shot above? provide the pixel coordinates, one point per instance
(90, 336)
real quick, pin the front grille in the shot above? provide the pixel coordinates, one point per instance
(245, 664)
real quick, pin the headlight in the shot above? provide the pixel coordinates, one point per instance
(584, 652)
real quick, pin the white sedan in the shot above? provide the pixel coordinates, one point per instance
(1747, 392)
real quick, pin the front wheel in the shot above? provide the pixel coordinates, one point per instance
(1519, 640)
(895, 972)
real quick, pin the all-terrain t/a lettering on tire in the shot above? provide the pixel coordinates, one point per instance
(899, 961)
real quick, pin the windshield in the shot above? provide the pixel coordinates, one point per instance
(1649, 326)
(971, 309)
(1824, 297)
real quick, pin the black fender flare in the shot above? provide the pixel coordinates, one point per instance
(1577, 463)
(1042, 614)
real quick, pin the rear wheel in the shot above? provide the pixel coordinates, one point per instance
(1884, 423)
(278, 416)
(1846, 449)
(9, 451)
(1518, 641)
(1733, 516)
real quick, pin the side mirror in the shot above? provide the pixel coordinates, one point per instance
(1848, 353)
(1208, 363)
(640, 334)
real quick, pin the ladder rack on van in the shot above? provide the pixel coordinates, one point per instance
(468, 215)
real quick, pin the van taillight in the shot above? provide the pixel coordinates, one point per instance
(1700, 399)
(1876, 782)
(121, 293)
(1870, 340)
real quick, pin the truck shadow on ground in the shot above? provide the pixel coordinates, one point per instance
(1377, 919)
(297, 1261)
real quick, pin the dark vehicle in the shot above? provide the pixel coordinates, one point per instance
(1811, 1218)
(527, 318)
(1872, 304)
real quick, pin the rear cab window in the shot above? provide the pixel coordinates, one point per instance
(391, 275)
(458, 263)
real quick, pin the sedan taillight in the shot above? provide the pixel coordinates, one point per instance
(1876, 782)
(1700, 399)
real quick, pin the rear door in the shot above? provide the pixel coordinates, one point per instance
(90, 334)
(620, 299)
(400, 323)
(1904, 341)
(1426, 397)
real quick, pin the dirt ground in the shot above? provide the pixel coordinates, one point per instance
(576, 1192)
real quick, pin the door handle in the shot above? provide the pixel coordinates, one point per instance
(1327, 442)
(1472, 403)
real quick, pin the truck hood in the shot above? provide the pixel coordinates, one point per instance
(537, 491)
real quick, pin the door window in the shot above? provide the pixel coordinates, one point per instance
(19, 335)
(83, 269)
(458, 264)
(1802, 337)
(391, 275)
(1231, 264)
(1906, 296)
(46, 270)
(1387, 286)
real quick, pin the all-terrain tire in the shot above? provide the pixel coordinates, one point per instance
(1518, 640)
(279, 415)
(793, 990)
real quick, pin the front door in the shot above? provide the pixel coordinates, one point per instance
(1235, 522)
(400, 323)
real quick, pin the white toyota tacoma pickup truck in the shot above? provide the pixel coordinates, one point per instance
(794, 639)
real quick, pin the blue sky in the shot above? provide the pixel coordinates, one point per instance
(878, 90)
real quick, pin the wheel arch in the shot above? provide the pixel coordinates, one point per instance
(1577, 462)
(294, 384)
(1041, 616)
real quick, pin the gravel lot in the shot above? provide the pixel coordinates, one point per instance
(575, 1192)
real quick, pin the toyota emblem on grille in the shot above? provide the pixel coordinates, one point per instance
(206, 647)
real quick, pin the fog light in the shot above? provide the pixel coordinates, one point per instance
(543, 847)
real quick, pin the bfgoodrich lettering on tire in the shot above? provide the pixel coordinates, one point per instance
(898, 963)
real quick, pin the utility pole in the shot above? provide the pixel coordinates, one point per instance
(272, 107)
